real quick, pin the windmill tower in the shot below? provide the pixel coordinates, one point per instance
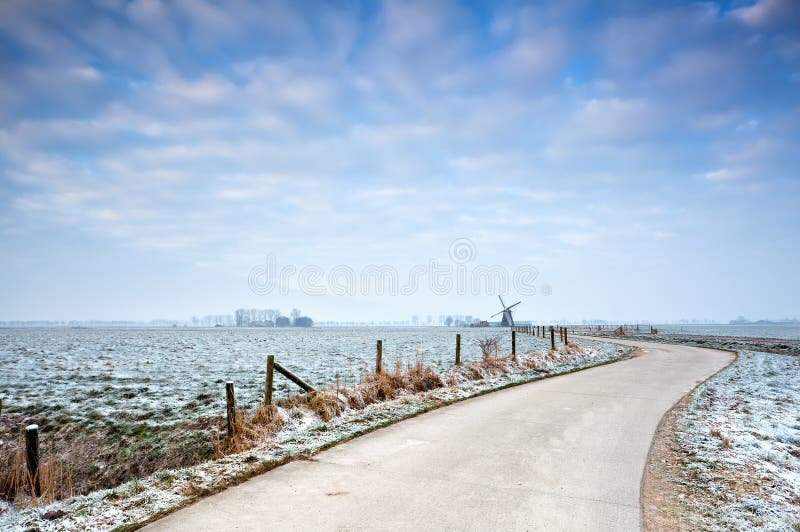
(508, 319)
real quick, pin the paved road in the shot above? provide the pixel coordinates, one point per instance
(565, 453)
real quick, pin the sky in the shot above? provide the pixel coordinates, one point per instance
(638, 160)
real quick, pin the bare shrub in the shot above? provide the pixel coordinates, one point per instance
(490, 346)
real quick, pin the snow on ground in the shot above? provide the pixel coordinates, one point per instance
(302, 435)
(741, 438)
(169, 375)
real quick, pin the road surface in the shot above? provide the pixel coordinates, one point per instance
(565, 453)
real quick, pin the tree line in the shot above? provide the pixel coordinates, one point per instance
(270, 318)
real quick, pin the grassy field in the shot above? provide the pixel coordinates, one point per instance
(114, 405)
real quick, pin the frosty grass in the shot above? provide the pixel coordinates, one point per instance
(302, 435)
(741, 436)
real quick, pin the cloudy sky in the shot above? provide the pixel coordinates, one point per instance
(643, 156)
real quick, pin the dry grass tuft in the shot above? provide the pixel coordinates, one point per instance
(192, 489)
(326, 404)
(380, 386)
(16, 482)
(249, 430)
(268, 416)
(492, 363)
(372, 388)
(725, 442)
(421, 378)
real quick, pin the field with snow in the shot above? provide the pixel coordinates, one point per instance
(166, 375)
(123, 404)
(740, 445)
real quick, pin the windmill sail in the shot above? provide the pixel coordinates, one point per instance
(508, 318)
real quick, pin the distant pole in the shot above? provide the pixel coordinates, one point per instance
(379, 357)
(565, 336)
(552, 338)
(268, 381)
(32, 451)
(458, 349)
(513, 343)
(230, 402)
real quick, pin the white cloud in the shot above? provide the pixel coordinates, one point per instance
(722, 174)
(576, 238)
(385, 193)
(610, 120)
(767, 13)
(205, 90)
(533, 58)
(716, 120)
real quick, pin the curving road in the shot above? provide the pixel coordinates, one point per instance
(565, 453)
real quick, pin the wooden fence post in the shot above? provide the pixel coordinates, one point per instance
(32, 452)
(565, 336)
(268, 381)
(513, 343)
(379, 357)
(552, 338)
(458, 349)
(230, 402)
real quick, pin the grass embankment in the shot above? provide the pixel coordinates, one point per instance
(90, 457)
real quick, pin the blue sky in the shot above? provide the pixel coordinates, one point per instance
(642, 156)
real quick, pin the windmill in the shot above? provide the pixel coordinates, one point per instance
(508, 319)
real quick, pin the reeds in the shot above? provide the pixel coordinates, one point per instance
(372, 388)
(16, 482)
(249, 430)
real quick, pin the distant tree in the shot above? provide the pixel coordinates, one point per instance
(415, 320)
(303, 321)
(428, 319)
(282, 321)
(448, 321)
(295, 313)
